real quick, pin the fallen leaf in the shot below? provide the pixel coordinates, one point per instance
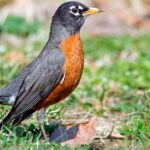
(84, 136)
(84, 133)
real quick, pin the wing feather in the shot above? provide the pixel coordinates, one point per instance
(41, 80)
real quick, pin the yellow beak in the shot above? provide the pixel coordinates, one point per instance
(91, 11)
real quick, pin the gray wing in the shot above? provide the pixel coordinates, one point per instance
(9, 93)
(42, 78)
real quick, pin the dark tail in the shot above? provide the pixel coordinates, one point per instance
(15, 120)
(6, 120)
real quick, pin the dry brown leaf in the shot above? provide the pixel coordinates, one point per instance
(84, 136)
(84, 133)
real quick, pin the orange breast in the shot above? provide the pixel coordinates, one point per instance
(73, 68)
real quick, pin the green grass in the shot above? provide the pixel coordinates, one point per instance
(19, 26)
(136, 127)
(116, 74)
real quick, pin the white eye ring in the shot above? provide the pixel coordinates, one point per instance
(74, 11)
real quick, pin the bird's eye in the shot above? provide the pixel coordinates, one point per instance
(74, 10)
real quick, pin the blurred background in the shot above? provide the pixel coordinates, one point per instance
(116, 79)
(123, 16)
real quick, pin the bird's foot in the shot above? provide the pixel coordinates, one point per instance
(43, 131)
(40, 118)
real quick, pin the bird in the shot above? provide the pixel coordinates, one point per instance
(56, 71)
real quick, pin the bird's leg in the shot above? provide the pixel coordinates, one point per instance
(40, 119)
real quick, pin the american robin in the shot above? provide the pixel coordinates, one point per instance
(55, 73)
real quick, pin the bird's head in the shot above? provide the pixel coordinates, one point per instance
(70, 16)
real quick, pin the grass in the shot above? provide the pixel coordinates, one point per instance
(116, 75)
(19, 26)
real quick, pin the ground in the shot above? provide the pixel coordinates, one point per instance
(114, 88)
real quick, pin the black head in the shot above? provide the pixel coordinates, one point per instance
(69, 18)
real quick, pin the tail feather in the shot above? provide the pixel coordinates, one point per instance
(23, 116)
(6, 120)
(15, 120)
